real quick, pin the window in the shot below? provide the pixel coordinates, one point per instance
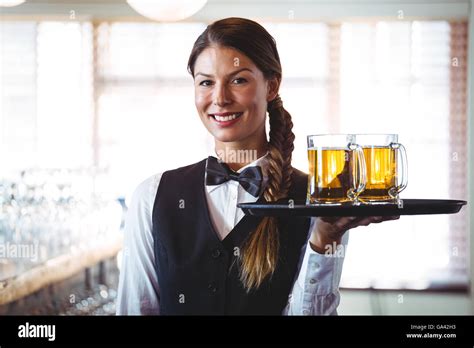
(390, 77)
(145, 101)
(46, 99)
(396, 77)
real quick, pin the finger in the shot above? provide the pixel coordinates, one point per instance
(385, 218)
(333, 219)
(329, 219)
(361, 221)
(340, 220)
(365, 221)
(378, 219)
(343, 223)
(348, 222)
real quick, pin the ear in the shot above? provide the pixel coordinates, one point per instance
(273, 86)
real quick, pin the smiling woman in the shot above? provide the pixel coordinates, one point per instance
(246, 87)
(232, 105)
(189, 249)
(222, 118)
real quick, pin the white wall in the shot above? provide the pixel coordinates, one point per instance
(358, 302)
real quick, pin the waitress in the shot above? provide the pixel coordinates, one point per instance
(188, 249)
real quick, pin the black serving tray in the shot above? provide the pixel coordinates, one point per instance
(404, 207)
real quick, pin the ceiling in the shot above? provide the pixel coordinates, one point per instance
(300, 10)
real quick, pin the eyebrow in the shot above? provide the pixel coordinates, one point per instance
(231, 74)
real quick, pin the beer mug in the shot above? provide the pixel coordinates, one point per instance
(336, 169)
(381, 153)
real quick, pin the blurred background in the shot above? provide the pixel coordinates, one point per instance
(87, 85)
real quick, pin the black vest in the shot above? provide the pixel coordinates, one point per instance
(197, 273)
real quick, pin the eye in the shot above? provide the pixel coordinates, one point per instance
(239, 80)
(205, 83)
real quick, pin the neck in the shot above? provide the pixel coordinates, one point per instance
(238, 154)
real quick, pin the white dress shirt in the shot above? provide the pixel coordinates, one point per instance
(315, 291)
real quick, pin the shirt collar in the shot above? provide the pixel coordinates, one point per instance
(262, 162)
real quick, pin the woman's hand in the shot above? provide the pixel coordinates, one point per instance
(329, 230)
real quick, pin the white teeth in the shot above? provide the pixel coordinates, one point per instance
(227, 118)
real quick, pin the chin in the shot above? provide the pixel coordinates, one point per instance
(226, 136)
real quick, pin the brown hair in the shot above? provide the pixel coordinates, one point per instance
(259, 256)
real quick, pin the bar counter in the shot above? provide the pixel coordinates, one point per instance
(56, 282)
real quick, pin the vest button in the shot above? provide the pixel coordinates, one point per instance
(212, 287)
(216, 253)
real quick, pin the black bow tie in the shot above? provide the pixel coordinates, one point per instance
(250, 179)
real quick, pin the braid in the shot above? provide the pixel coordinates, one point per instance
(260, 254)
(282, 139)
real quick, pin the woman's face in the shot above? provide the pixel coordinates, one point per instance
(231, 94)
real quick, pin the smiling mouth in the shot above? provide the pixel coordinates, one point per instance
(226, 118)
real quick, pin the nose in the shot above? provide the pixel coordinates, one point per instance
(221, 96)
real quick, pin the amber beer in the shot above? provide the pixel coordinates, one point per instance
(386, 174)
(381, 165)
(330, 176)
(336, 169)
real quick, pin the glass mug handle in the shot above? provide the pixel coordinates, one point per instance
(394, 191)
(359, 184)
